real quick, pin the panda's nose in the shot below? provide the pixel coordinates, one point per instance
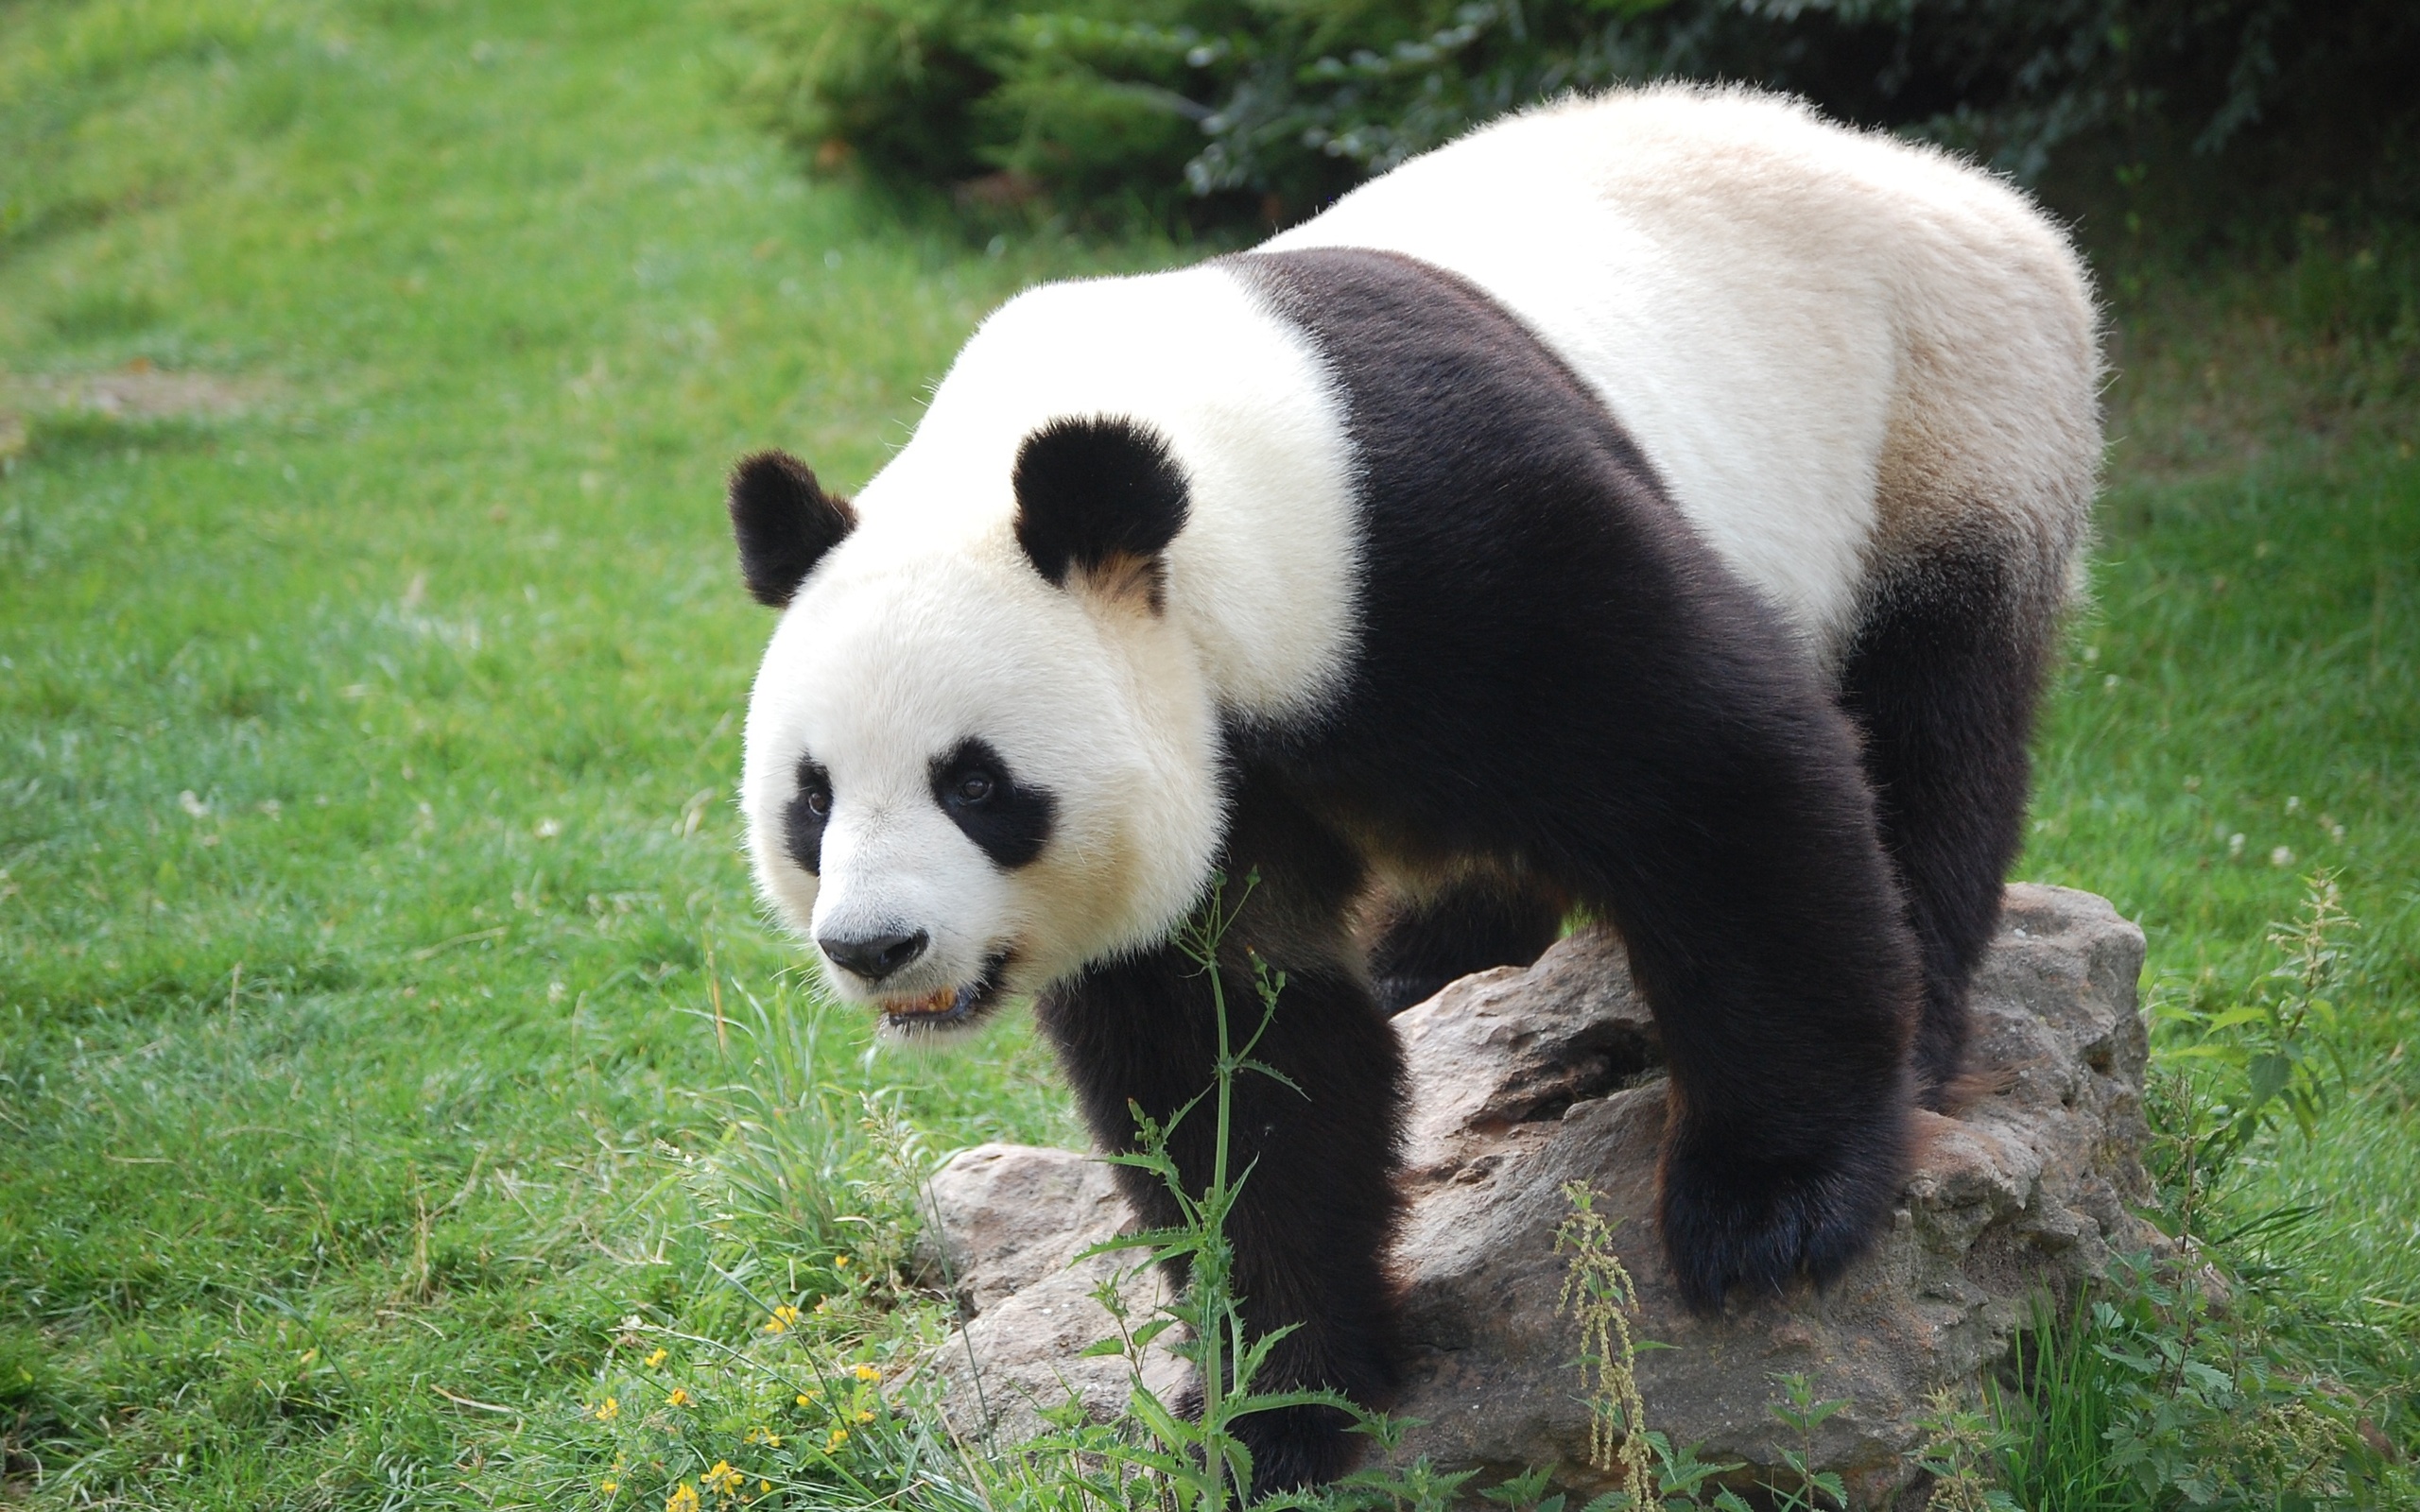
(874, 956)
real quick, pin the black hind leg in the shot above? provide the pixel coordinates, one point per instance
(1475, 923)
(1943, 679)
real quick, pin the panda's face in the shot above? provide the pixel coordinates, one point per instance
(964, 782)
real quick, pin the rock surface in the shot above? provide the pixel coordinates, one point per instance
(1008, 1223)
(1524, 1080)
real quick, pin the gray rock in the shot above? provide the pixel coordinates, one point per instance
(1526, 1080)
(1007, 1225)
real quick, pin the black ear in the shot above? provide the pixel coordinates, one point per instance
(784, 522)
(1092, 490)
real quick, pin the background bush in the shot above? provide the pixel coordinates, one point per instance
(1271, 107)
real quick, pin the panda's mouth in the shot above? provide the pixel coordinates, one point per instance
(950, 1006)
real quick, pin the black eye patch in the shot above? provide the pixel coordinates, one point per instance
(1009, 821)
(809, 811)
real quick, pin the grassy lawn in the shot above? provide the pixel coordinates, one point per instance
(377, 969)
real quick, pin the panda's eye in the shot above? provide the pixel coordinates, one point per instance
(973, 787)
(819, 800)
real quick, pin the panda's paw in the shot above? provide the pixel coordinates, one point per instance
(1730, 1226)
(1296, 1448)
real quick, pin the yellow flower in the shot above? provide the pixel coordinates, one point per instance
(782, 1318)
(806, 1398)
(684, 1500)
(609, 1488)
(763, 1487)
(609, 1411)
(723, 1480)
(840, 1436)
(867, 1372)
(843, 1261)
(765, 1436)
(680, 1397)
(657, 1358)
(864, 1417)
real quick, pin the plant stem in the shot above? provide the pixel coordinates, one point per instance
(1215, 1201)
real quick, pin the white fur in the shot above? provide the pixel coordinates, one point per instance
(1828, 342)
(1262, 578)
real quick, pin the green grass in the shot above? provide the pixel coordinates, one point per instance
(2247, 668)
(363, 1048)
(359, 1081)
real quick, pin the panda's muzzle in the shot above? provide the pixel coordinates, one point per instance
(949, 1007)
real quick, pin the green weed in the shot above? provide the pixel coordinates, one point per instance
(1598, 1293)
(2060, 1416)
(1961, 1444)
(2259, 1058)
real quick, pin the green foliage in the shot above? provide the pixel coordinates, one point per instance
(2168, 1388)
(2060, 1419)
(2146, 1398)
(1799, 1409)
(1960, 1447)
(2233, 1068)
(1089, 101)
(1288, 101)
(790, 1370)
(1682, 1479)
(897, 80)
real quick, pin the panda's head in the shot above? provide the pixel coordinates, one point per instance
(978, 757)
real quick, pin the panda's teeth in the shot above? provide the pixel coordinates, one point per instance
(940, 1001)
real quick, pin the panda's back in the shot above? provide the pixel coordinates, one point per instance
(1826, 343)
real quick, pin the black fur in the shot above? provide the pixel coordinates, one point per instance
(1092, 489)
(1010, 821)
(1557, 673)
(1942, 678)
(801, 826)
(1478, 923)
(784, 522)
(1315, 1215)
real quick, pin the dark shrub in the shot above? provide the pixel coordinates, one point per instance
(1282, 103)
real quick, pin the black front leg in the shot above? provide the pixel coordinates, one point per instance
(1313, 1219)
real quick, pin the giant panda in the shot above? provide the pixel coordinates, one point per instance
(1650, 510)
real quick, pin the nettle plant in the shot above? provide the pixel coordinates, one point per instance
(1176, 1455)
(2241, 1067)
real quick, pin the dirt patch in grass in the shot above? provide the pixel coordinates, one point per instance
(138, 392)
